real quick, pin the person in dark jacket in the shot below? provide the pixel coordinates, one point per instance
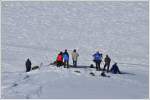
(59, 60)
(66, 59)
(115, 69)
(97, 59)
(28, 65)
(107, 61)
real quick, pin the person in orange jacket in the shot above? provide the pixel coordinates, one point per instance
(59, 59)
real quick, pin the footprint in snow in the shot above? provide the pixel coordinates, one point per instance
(77, 72)
(92, 74)
(27, 76)
(14, 85)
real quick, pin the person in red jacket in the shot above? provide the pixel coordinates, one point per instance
(59, 59)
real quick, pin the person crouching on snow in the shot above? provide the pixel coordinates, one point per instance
(115, 69)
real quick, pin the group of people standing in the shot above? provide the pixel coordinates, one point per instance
(63, 58)
(98, 60)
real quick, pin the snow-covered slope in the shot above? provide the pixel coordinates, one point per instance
(39, 30)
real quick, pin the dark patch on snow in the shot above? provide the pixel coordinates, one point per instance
(127, 73)
(77, 71)
(27, 76)
(27, 97)
(35, 67)
(103, 74)
(79, 66)
(14, 85)
(91, 73)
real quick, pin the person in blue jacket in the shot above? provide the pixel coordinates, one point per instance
(66, 59)
(97, 59)
(115, 69)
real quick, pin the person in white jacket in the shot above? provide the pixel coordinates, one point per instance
(75, 56)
